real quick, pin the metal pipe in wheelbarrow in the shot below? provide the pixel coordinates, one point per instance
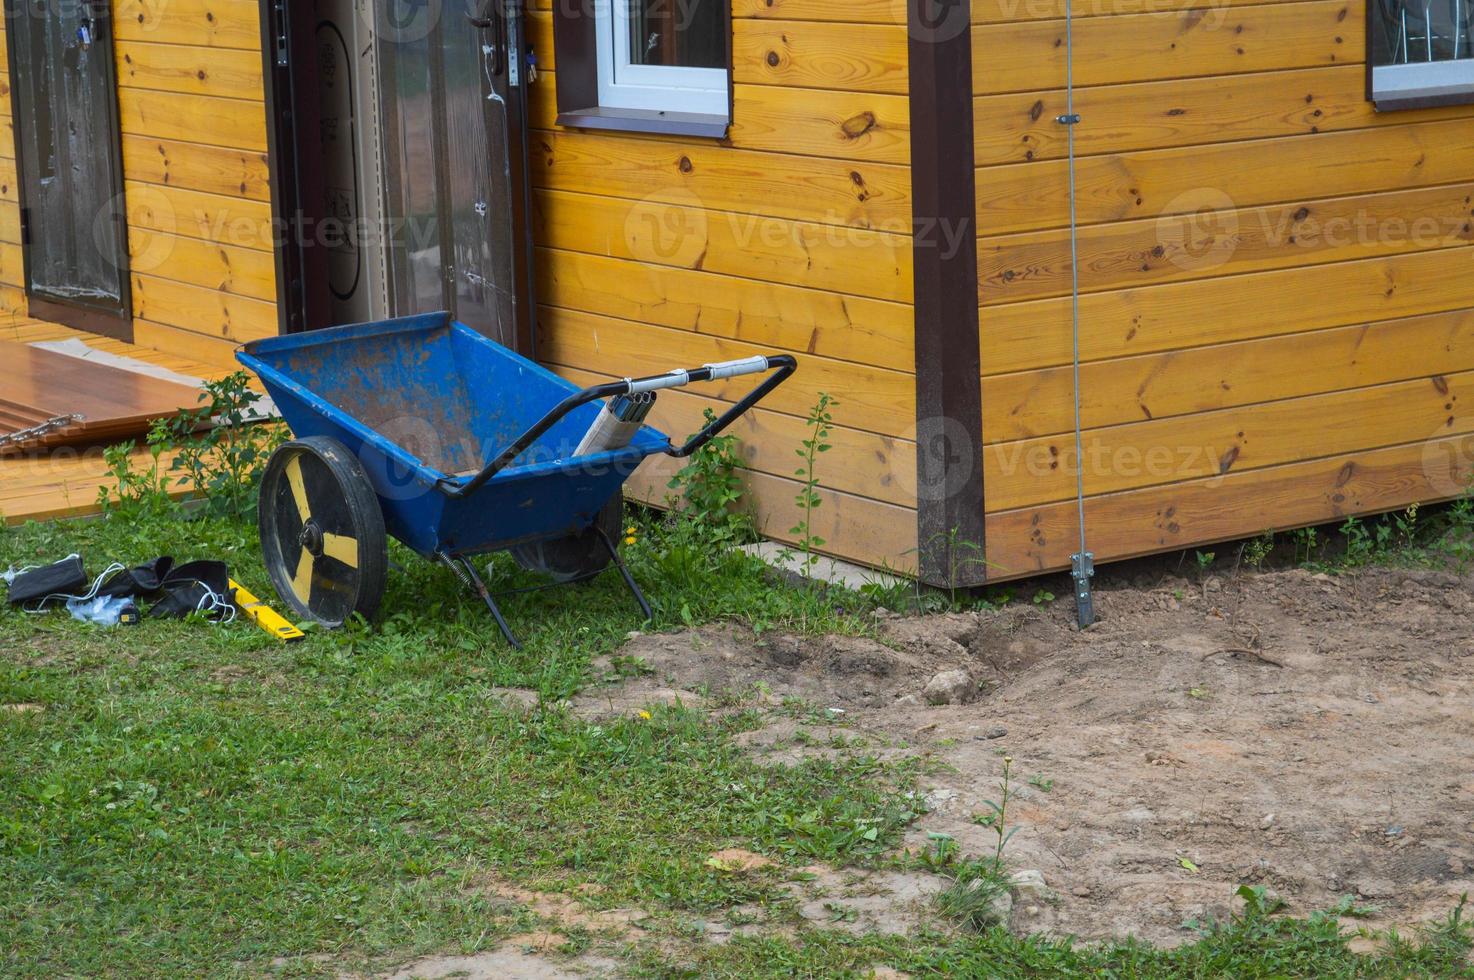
(782, 366)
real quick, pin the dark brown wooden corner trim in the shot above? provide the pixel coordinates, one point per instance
(1370, 55)
(949, 398)
(576, 53)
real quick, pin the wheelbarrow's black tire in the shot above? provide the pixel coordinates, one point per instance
(322, 532)
(577, 555)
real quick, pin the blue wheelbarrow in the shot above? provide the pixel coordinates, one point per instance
(423, 429)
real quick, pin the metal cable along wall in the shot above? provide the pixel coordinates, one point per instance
(1083, 561)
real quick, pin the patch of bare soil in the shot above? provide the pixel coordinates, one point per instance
(521, 957)
(1308, 733)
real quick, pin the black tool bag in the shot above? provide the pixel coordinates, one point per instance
(140, 581)
(187, 586)
(63, 579)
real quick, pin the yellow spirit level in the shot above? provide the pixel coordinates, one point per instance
(263, 615)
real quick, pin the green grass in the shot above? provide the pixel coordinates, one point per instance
(199, 800)
(193, 795)
(1255, 944)
(1437, 536)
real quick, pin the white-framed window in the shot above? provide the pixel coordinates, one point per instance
(1420, 52)
(663, 55)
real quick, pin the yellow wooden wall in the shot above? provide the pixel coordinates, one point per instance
(12, 272)
(192, 109)
(1276, 279)
(791, 235)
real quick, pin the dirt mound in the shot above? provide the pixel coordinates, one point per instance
(1295, 730)
(841, 671)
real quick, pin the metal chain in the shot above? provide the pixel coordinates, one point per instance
(36, 431)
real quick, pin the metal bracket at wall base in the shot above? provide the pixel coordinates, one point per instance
(1082, 571)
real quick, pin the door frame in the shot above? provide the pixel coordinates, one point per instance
(290, 74)
(297, 180)
(107, 321)
(519, 113)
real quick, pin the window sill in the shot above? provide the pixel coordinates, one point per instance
(647, 121)
(1422, 85)
(1394, 103)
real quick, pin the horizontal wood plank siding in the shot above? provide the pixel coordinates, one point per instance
(192, 103)
(231, 24)
(792, 234)
(185, 68)
(1199, 512)
(1277, 309)
(12, 270)
(1029, 56)
(982, 12)
(12, 273)
(1019, 127)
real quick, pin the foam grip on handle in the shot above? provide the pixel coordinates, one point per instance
(732, 369)
(674, 379)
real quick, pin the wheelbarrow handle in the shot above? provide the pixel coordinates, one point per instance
(782, 365)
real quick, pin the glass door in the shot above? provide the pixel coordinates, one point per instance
(455, 164)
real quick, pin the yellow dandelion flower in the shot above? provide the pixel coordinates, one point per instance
(630, 539)
(645, 715)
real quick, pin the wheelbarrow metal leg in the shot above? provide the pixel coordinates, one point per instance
(490, 601)
(466, 572)
(624, 572)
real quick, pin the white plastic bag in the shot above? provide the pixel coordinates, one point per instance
(102, 610)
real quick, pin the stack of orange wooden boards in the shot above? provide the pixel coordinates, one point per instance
(104, 403)
(65, 481)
